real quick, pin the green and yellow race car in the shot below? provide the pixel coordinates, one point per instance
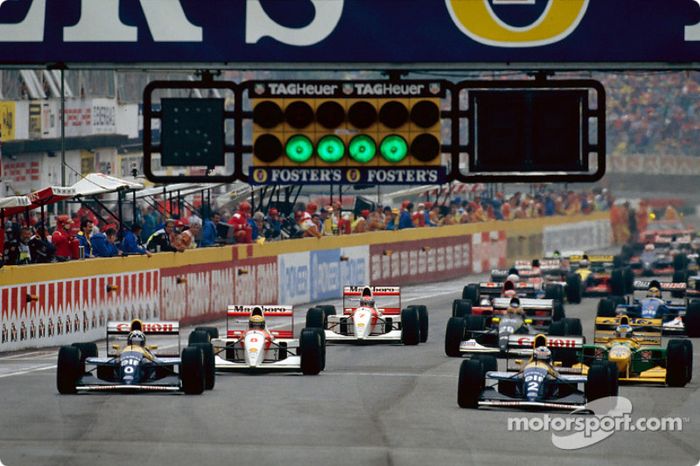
(634, 345)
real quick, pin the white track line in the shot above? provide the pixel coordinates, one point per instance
(27, 371)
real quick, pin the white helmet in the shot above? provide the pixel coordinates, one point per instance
(136, 337)
(649, 247)
(513, 278)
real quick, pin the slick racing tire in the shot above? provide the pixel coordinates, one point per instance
(573, 288)
(311, 350)
(68, 369)
(87, 350)
(679, 362)
(328, 310)
(198, 336)
(316, 318)
(461, 307)
(489, 363)
(606, 308)
(627, 252)
(602, 380)
(566, 327)
(618, 262)
(680, 262)
(410, 326)
(471, 292)
(423, 321)
(558, 312)
(209, 364)
(691, 321)
(212, 331)
(454, 334)
(617, 282)
(192, 372)
(474, 324)
(554, 291)
(471, 383)
(628, 277)
(679, 276)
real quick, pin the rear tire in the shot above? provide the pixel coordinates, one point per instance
(315, 318)
(573, 288)
(471, 292)
(311, 351)
(679, 276)
(617, 283)
(454, 334)
(679, 363)
(680, 262)
(628, 277)
(471, 383)
(69, 369)
(87, 350)
(192, 370)
(209, 364)
(423, 322)
(691, 321)
(328, 310)
(606, 308)
(461, 307)
(602, 380)
(212, 331)
(554, 291)
(410, 327)
(558, 311)
(489, 363)
(198, 336)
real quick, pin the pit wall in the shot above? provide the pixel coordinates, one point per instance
(54, 304)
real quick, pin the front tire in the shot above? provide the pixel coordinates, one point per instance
(471, 383)
(192, 370)
(691, 321)
(454, 334)
(679, 363)
(461, 307)
(410, 327)
(573, 288)
(69, 369)
(311, 350)
(602, 380)
(209, 364)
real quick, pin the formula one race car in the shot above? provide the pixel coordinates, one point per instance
(678, 316)
(652, 263)
(549, 277)
(488, 329)
(261, 338)
(365, 321)
(602, 275)
(634, 346)
(134, 366)
(541, 382)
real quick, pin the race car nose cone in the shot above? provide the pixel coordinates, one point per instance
(254, 347)
(620, 355)
(362, 322)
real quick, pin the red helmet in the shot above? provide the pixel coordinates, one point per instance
(244, 206)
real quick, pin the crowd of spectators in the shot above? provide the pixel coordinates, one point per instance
(82, 236)
(653, 113)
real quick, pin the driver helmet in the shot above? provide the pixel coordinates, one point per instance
(623, 331)
(137, 338)
(649, 247)
(542, 353)
(514, 305)
(256, 322)
(653, 292)
(367, 301)
(513, 278)
(484, 302)
(509, 293)
(584, 263)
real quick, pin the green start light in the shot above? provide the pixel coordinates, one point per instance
(299, 148)
(394, 148)
(330, 148)
(362, 148)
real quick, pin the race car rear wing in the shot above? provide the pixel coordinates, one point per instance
(525, 303)
(157, 332)
(644, 331)
(355, 293)
(644, 285)
(237, 316)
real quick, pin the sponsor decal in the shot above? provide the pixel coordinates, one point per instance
(327, 175)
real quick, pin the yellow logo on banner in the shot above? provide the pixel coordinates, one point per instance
(477, 19)
(7, 121)
(259, 175)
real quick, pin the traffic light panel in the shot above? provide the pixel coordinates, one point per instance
(346, 132)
